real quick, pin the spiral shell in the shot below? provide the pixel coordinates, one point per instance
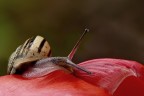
(33, 49)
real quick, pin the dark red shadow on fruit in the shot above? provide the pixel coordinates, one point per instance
(131, 86)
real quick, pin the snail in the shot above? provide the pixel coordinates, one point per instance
(37, 48)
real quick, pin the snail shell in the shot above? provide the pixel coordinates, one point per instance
(25, 55)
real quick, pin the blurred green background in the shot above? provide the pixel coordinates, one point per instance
(116, 27)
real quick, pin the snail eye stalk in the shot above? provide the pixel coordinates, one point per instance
(72, 53)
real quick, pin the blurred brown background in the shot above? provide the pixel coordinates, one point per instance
(116, 27)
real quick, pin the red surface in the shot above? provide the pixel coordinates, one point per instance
(131, 86)
(116, 76)
(57, 83)
(110, 73)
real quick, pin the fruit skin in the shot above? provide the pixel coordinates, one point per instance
(109, 76)
(131, 86)
(110, 73)
(57, 83)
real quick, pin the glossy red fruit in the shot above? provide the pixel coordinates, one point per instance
(118, 77)
(110, 73)
(131, 86)
(57, 83)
